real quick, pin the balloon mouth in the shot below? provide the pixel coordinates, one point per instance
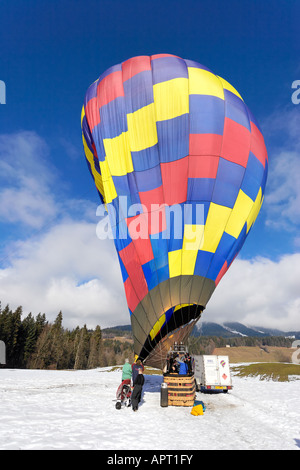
(177, 328)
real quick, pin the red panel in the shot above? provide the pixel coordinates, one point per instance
(92, 113)
(174, 177)
(160, 56)
(135, 65)
(152, 200)
(153, 196)
(135, 272)
(131, 297)
(150, 222)
(221, 273)
(158, 222)
(258, 147)
(110, 87)
(205, 144)
(236, 142)
(144, 249)
(203, 166)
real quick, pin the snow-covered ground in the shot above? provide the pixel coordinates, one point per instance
(75, 410)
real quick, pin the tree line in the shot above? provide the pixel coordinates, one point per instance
(36, 343)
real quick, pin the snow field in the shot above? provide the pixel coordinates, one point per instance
(74, 410)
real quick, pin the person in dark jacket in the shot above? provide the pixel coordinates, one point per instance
(135, 369)
(137, 390)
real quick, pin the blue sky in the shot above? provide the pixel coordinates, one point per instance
(51, 51)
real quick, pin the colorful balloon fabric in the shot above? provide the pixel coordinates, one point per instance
(181, 165)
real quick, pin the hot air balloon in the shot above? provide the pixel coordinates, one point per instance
(174, 140)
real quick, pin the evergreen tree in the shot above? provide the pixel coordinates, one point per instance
(29, 336)
(82, 353)
(96, 349)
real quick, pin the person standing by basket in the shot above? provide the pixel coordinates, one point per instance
(135, 369)
(137, 390)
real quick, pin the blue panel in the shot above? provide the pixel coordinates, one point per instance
(175, 226)
(228, 182)
(122, 238)
(195, 212)
(114, 68)
(173, 138)
(252, 119)
(150, 274)
(236, 110)
(145, 159)
(91, 92)
(87, 134)
(169, 314)
(200, 189)
(192, 63)
(163, 273)
(113, 118)
(138, 91)
(225, 245)
(238, 245)
(206, 114)
(253, 177)
(97, 138)
(202, 263)
(160, 248)
(126, 186)
(264, 180)
(215, 267)
(167, 68)
(148, 179)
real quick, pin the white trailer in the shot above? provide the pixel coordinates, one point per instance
(212, 373)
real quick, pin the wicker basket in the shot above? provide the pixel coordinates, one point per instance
(181, 389)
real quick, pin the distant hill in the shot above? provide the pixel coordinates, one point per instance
(226, 330)
(232, 329)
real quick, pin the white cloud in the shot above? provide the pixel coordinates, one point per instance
(282, 201)
(259, 292)
(67, 269)
(26, 177)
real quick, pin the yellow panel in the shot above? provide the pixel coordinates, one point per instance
(178, 307)
(108, 184)
(142, 128)
(255, 210)
(157, 326)
(217, 219)
(193, 237)
(95, 172)
(239, 215)
(82, 114)
(229, 87)
(171, 98)
(202, 82)
(175, 263)
(188, 261)
(118, 155)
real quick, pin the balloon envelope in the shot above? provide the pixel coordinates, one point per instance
(181, 165)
